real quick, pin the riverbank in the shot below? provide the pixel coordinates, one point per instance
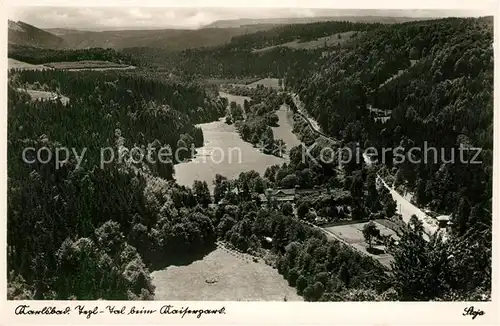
(225, 153)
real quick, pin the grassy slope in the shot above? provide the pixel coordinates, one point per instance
(329, 41)
(236, 277)
(16, 64)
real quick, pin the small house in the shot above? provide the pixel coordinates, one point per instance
(443, 220)
(280, 195)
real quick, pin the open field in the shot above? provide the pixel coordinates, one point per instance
(322, 42)
(353, 235)
(88, 65)
(234, 81)
(223, 275)
(399, 73)
(16, 64)
(45, 96)
(266, 82)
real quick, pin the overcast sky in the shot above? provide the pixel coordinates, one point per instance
(147, 17)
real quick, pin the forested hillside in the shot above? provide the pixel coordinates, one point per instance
(21, 33)
(442, 94)
(166, 39)
(36, 55)
(359, 16)
(445, 99)
(301, 32)
(319, 269)
(236, 58)
(94, 232)
(433, 80)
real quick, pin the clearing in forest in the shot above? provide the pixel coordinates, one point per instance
(88, 65)
(321, 42)
(16, 64)
(37, 95)
(353, 235)
(266, 82)
(223, 275)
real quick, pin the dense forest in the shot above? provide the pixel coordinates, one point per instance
(226, 61)
(95, 231)
(36, 55)
(302, 32)
(237, 59)
(444, 99)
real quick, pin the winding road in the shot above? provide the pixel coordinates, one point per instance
(407, 210)
(404, 206)
(310, 121)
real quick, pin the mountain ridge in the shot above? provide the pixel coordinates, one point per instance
(226, 23)
(21, 33)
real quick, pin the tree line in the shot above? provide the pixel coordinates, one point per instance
(35, 55)
(302, 32)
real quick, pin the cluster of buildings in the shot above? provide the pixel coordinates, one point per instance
(281, 195)
(286, 195)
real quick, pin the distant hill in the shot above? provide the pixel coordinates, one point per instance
(171, 39)
(21, 33)
(217, 33)
(231, 23)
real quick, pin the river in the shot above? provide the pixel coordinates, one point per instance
(225, 153)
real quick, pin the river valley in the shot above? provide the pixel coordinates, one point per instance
(225, 153)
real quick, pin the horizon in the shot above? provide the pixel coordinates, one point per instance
(144, 18)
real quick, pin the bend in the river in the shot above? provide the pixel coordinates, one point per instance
(225, 153)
